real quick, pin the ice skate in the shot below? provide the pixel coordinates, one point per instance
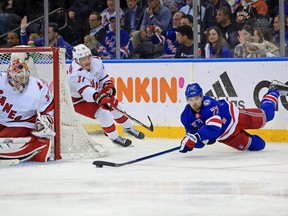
(122, 141)
(279, 86)
(133, 132)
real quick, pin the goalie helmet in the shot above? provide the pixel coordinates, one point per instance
(80, 51)
(18, 74)
(193, 90)
(27, 58)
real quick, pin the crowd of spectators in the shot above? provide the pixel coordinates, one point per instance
(149, 28)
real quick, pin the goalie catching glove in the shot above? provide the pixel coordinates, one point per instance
(44, 126)
(106, 101)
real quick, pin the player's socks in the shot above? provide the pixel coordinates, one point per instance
(269, 103)
(271, 97)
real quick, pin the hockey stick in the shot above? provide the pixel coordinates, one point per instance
(151, 128)
(106, 163)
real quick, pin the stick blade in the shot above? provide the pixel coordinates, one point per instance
(104, 163)
(151, 128)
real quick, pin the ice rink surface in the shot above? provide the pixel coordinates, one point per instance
(215, 180)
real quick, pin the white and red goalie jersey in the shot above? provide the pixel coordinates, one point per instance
(20, 109)
(84, 84)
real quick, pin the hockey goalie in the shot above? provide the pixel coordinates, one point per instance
(26, 117)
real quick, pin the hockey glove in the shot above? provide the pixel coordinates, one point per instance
(105, 101)
(113, 102)
(102, 99)
(201, 144)
(188, 142)
(109, 88)
(44, 126)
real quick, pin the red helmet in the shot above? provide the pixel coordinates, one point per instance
(18, 74)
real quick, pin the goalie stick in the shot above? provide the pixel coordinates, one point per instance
(151, 128)
(111, 164)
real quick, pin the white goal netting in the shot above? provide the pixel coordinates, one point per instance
(48, 64)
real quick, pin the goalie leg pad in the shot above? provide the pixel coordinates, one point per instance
(22, 152)
(37, 149)
(14, 131)
(43, 147)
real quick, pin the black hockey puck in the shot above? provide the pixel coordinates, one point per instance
(99, 165)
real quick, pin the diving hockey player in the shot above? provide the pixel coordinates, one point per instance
(207, 120)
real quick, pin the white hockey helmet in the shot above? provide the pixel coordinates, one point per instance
(18, 74)
(80, 51)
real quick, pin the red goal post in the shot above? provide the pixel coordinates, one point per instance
(49, 65)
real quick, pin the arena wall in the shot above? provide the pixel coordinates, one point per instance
(156, 88)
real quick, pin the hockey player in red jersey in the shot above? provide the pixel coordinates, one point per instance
(93, 95)
(26, 117)
(207, 120)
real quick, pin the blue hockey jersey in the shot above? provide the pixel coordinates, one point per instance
(109, 45)
(217, 119)
(168, 38)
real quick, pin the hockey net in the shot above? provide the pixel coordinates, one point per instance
(49, 65)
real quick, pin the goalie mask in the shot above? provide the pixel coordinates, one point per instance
(18, 74)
